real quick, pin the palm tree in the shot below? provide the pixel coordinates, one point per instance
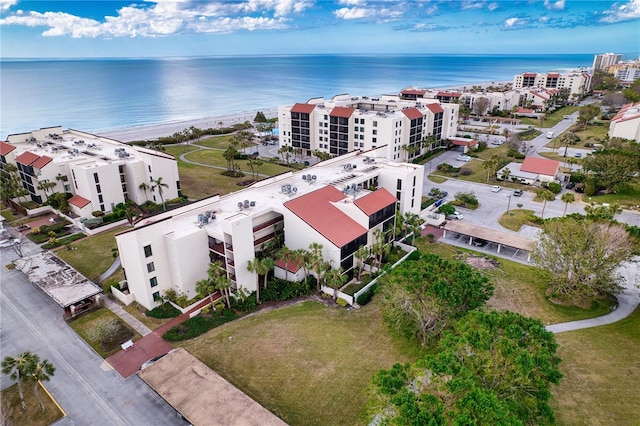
(316, 260)
(18, 368)
(157, 183)
(205, 288)
(40, 371)
(567, 197)
(260, 267)
(362, 254)
(545, 195)
(334, 279)
(45, 185)
(223, 283)
(286, 254)
(144, 186)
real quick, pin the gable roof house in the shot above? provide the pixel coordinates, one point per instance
(626, 123)
(532, 170)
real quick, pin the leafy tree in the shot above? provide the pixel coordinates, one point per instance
(602, 212)
(446, 209)
(421, 296)
(18, 368)
(40, 371)
(494, 368)
(632, 94)
(287, 256)
(159, 185)
(491, 166)
(612, 168)
(613, 100)
(588, 113)
(567, 197)
(380, 247)
(480, 105)
(580, 256)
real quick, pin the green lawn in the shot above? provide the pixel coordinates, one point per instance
(515, 219)
(601, 369)
(309, 363)
(92, 256)
(32, 416)
(625, 197)
(86, 324)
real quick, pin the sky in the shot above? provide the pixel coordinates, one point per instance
(179, 28)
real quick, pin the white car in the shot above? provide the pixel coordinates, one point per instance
(464, 158)
(455, 215)
(9, 242)
(496, 188)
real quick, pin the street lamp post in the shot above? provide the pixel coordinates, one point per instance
(508, 204)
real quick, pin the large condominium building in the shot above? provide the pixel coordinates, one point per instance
(338, 203)
(604, 60)
(577, 82)
(99, 172)
(345, 123)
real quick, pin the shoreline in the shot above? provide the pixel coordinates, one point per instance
(163, 129)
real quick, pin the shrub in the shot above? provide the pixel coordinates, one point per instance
(341, 302)
(194, 327)
(464, 171)
(555, 187)
(245, 303)
(97, 213)
(366, 297)
(218, 306)
(166, 310)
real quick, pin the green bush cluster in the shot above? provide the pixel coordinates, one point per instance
(341, 302)
(366, 297)
(279, 290)
(554, 187)
(194, 327)
(64, 241)
(448, 168)
(515, 154)
(166, 310)
(247, 303)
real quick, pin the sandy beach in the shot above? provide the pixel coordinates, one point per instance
(158, 130)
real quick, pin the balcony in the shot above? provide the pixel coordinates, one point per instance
(267, 224)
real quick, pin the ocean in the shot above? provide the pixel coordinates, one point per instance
(97, 95)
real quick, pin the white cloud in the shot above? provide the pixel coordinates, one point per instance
(352, 2)
(6, 4)
(492, 6)
(353, 13)
(622, 12)
(165, 17)
(472, 4)
(556, 5)
(512, 22)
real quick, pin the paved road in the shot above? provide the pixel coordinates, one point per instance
(90, 393)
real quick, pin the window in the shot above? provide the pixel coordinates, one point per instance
(100, 198)
(375, 132)
(375, 123)
(153, 281)
(147, 251)
(149, 169)
(95, 178)
(151, 267)
(156, 296)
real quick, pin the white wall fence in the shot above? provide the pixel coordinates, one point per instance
(125, 298)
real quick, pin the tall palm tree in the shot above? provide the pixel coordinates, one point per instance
(362, 254)
(40, 371)
(205, 287)
(46, 185)
(316, 261)
(157, 183)
(545, 195)
(18, 369)
(286, 254)
(223, 283)
(256, 266)
(334, 279)
(567, 197)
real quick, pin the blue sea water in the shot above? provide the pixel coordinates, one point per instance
(105, 94)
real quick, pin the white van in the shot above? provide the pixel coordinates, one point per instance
(550, 135)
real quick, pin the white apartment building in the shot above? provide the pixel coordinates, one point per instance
(345, 123)
(626, 123)
(577, 82)
(337, 203)
(99, 172)
(627, 74)
(604, 60)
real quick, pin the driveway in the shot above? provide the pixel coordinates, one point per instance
(88, 390)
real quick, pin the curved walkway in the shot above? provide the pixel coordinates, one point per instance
(628, 302)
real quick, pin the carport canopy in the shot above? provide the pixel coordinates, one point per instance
(502, 238)
(201, 395)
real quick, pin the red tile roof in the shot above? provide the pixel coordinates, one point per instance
(343, 112)
(463, 142)
(524, 110)
(27, 158)
(529, 74)
(413, 92)
(318, 211)
(42, 161)
(375, 201)
(435, 108)
(78, 201)
(541, 166)
(291, 266)
(6, 148)
(303, 108)
(450, 94)
(412, 113)
(553, 75)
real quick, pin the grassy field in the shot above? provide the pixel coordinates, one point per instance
(309, 363)
(93, 255)
(152, 323)
(515, 219)
(32, 416)
(601, 383)
(519, 288)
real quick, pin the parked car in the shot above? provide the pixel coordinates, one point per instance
(496, 142)
(517, 193)
(570, 185)
(479, 242)
(150, 362)
(455, 215)
(435, 192)
(496, 188)
(9, 242)
(578, 155)
(463, 157)
(550, 135)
